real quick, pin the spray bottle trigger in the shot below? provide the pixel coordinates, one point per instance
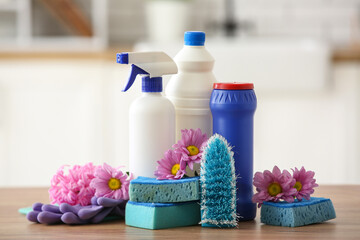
(135, 70)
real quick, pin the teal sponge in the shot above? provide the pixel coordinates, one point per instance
(297, 214)
(150, 190)
(218, 184)
(162, 215)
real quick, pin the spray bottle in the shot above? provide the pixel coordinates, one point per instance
(152, 116)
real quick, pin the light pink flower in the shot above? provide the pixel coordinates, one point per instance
(169, 166)
(111, 183)
(73, 188)
(191, 147)
(304, 183)
(273, 186)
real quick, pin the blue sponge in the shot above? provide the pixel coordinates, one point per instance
(162, 215)
(297, 214)
(150, 190)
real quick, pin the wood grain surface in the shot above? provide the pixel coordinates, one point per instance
(13, 225)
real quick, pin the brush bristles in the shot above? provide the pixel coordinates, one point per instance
(218, 183)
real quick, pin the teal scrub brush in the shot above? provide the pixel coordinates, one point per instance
(218, 184)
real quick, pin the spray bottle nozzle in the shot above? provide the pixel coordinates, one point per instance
(122, 58)
(151, 64)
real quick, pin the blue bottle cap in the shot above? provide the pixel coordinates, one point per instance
(194, 38)
(153, 84)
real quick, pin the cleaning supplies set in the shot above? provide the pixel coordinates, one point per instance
(169, 141)
(226, 175)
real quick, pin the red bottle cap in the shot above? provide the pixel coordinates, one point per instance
(234, 86)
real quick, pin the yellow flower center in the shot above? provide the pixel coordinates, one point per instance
(114, 183)
(175, 169)
(298, 186)
(192, 150)
(274, 189)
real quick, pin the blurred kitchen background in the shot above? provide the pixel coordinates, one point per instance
(60, 88)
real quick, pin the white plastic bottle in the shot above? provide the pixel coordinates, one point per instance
(190, 89)
(152, 116)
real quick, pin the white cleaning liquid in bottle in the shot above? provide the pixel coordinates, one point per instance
(191, 88)
(152, 116)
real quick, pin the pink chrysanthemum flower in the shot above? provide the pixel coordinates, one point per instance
(111, 183)
(191, 147)
(73, 188)
(304, 184)
(274, 186)
(169, 166)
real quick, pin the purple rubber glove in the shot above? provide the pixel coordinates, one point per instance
(72, 218)
(37, 206)
(100, 217)
(87, 213)
(95, 213)
(65, 207)
(109, 202)
(49, 217)
(45, 213)
(50, 208)
(103, 207)
(32, 216)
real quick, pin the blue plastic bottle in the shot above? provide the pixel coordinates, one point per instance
(233, 106)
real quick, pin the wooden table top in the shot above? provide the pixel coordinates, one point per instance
(13, 225)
